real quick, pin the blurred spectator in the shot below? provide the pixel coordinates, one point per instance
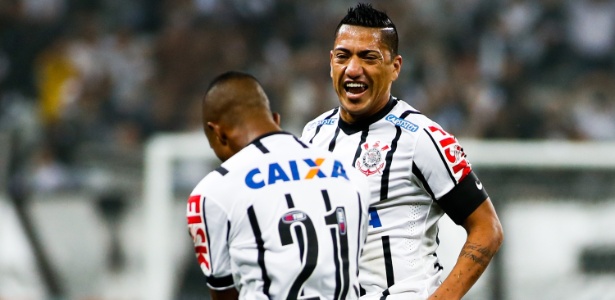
(49, 175)
(591, 32)
(113, 72)
(593, 106)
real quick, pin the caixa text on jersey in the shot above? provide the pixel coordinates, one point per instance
(293, 170)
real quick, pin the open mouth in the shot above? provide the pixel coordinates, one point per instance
(355, 87)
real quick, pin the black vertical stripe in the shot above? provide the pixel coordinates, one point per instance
(388, 260)
(417, 172)
(260, 245)
(207, 233)
(319, 126)
(228, 229)
(332, 219)
(385, 293)
(359, 232)
(345, 266)
(289, 201)
(384, 181)
(325, 197)
(358, 152)
(386, 173)
(332, 142)
(441, 157)
(338, 280)
(260, 146)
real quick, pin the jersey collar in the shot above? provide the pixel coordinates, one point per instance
(353, 128)
(269, 134)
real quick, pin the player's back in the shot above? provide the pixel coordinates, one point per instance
(293, 219)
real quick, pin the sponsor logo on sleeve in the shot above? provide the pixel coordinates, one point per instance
(197, 230)
(453, 153)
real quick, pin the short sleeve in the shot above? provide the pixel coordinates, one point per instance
(208, 226)
(441, 165)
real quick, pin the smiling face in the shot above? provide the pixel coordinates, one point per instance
(362, 69)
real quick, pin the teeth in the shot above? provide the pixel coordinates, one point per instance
(355, 85)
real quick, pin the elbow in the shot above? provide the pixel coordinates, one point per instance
(498, 235)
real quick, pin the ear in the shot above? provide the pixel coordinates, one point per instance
(276, 118)
(218, 133)
(331, 63)
(396, 65)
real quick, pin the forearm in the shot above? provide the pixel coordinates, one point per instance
(472, 262)
(485, 235)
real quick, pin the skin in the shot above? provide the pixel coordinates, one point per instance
(234, 114)
(485, 236)
(360, 56)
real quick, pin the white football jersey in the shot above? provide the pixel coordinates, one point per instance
(416, 172)
(281, 220)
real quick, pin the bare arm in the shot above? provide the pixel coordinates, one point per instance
(485, 236)
(228, 294)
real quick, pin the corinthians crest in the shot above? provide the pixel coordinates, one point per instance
(372, 158)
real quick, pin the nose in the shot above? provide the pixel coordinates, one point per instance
(354, 68)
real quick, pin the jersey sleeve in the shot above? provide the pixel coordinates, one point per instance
(307, 132)
(446, 174)
(208, 227)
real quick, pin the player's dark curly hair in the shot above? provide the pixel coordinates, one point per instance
(365, 15)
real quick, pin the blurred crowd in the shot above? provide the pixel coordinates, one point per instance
(77, 76)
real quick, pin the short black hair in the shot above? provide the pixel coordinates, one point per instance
(230, 75)
(366, 16)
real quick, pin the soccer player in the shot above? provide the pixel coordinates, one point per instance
(278, 219)
(416, 170)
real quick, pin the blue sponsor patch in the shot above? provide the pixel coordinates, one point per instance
(405, 124)
(322, 122)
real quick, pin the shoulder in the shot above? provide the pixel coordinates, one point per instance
(327, 118)
(212, 184)
(407, 117)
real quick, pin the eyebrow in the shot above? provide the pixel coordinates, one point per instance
(361, 53)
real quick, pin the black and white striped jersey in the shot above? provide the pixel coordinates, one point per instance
(416, 172)
(281, 220)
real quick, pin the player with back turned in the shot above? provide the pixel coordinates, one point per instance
(416, 170)
(278, 219)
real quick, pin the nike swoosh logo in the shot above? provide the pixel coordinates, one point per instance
(479, 185)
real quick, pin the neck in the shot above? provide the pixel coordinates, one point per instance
(241, 137)
(351, 118)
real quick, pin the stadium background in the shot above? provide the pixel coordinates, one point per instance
(85, 84)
